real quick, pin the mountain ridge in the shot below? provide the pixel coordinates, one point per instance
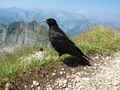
(71, 22)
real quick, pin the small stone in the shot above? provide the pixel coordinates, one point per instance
(63, 69)
(38, 88)
(31, 86)
(85, 67)
(67, 89)
(53, 74)
(63, 83)
(48, 87)
(95, 64)
(73, 71)
(67, 76)
(97, 57)
(86, 79)
(35, 83)
(25, 86)
(61, 73)
(47, 76)
(115, 82)
(54, 70)
(107, 58)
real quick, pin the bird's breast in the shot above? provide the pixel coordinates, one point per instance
(53, 34)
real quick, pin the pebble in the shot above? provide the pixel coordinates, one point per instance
(38, 88)
(53, 74)
(61, 73)
(115, 82)
(62, 69)
(35, 83)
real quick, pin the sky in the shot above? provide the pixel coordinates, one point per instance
(100, 8)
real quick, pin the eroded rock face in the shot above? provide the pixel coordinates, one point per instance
(21, 33)
(3, 32)
(104, 74)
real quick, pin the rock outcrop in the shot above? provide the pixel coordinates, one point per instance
(23, 34)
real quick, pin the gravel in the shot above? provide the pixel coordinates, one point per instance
(106, 76)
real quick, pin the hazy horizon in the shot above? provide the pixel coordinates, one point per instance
(98, 8)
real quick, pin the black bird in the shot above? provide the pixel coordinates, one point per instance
(62, 44)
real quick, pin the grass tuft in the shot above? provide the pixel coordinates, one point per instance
(100, 39)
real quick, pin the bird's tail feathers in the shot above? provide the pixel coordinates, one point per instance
(84, 61)
(87, 57)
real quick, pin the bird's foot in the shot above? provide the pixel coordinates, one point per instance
(58, 60)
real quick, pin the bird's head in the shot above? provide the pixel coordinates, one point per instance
(51, 22)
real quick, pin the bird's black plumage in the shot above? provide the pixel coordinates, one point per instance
(62, 44)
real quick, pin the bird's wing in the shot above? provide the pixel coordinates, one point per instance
(62, 37)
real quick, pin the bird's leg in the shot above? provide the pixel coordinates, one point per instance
(58, 58)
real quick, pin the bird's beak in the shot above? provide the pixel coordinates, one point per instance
(44, 20)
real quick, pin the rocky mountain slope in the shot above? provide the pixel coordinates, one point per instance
(23, 34)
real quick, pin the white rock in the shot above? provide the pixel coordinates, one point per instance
(61, 73)
(25, 86)
(48, 87)
(115, 82)
(35, 83)
(53, 74)
(38, 88)
(63, 69)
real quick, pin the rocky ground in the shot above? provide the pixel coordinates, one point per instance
(104, 74)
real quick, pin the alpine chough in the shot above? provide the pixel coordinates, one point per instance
(62, 44)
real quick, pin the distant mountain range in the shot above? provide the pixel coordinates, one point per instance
(71, 22)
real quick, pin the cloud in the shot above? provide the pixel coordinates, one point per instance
(80, 11)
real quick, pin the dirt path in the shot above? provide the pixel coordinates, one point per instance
(104, 74)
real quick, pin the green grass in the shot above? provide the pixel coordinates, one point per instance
(9, 69)
(100, 39)
(12, 66)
